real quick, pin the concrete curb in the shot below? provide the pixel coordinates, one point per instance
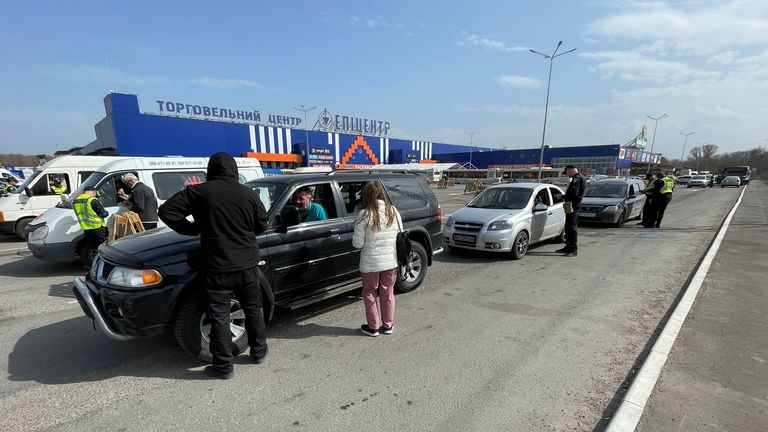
(633, 405)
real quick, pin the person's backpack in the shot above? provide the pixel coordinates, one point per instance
(404, 247)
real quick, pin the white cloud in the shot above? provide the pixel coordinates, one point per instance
(377, 22)
(475, 40)
(638, 67)
(711, 28)
(225, 83)
(519, 81)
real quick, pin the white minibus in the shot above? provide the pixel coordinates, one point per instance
(56, 235)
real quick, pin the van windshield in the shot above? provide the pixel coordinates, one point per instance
(28, 181)
(91, 181)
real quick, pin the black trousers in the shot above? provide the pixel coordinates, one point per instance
(149, 225)
(571, 224)
(93, 239)
(244, 285)
(649, 211)
(661, 207)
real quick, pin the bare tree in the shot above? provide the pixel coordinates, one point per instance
(703, 155)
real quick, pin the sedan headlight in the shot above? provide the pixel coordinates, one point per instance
(611, 209)
(134, 278)
(449, 222)
(499, 225)
(38, 234)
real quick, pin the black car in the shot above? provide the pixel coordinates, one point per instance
(144, 284)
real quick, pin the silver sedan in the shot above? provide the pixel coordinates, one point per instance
(507, 218)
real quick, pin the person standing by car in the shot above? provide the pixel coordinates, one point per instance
(649, 208)
(376, 229)
(93, 220)
(573, 195)
(227, 216)
(666, 186)
(142, 200)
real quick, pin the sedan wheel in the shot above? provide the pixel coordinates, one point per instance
(520, 245)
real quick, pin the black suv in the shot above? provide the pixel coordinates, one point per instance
(143, 284)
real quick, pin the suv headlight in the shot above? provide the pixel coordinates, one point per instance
(134, 278)
(449, 222)
(38, 234)
(611, 209)
(499, 225)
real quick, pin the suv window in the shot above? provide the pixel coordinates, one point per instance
(351, 195)
(406, 194)
(168, 183)
(322, 194)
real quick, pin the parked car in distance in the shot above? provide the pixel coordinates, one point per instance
(507, 218)
(730, 181)
(699, 180)
(683, 179)
(612, 201)
(144, 284)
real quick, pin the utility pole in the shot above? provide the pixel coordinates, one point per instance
(653, 141)
(306, 132)
(471, 145)
(684, 144)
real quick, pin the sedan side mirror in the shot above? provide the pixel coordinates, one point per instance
(539, 207)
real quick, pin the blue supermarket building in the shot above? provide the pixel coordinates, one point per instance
(338, 141)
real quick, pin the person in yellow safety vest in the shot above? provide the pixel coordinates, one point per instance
(93, 220)
(666, 188)
(57, 187)
(649, 211)
(11, 186)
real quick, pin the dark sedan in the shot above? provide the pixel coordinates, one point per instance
(612, 201)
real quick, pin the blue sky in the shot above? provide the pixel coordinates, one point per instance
(434, 70)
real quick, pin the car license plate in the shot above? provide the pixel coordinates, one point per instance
(587, 215)
(464, 238)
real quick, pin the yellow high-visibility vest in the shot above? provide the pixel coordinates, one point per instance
(669, 185)
(85, 215)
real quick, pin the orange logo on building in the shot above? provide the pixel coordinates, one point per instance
(359, 142)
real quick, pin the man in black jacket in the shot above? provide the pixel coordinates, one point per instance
(142, 200)
(227, 216)
(573, 195)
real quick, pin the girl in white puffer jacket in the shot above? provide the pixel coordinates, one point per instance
(376, 229)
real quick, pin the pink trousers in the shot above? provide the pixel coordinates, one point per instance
(382, 285)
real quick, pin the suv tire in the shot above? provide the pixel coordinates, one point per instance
(189, 328)
(410, 279)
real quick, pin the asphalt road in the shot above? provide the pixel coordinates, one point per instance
(486, 343)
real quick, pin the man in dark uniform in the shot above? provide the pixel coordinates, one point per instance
(227, 216)
(665, 186)
(573, 195)
(649, 208)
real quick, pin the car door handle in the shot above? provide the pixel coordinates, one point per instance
(334, 233)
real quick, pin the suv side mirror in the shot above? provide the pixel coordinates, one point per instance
(539, 207)
(289, 216)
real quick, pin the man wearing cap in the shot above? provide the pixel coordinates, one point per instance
(573, 194)
(57, 187)
(11, 186)
(649, 208)
(93, 220)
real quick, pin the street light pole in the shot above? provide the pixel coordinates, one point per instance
(306, 132)
(653, 141)
(685, 142)
(551, 58)
(471, 145)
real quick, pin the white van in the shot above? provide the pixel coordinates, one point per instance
(34, 195)
(56, 235)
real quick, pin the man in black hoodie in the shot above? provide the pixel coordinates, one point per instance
(227, 217)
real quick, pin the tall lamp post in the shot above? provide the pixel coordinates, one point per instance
(306, 132)
(551, 58)
(684, 144)
(471, 144)
(653, 140)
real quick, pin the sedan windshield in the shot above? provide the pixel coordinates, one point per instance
(606, 190)
(502, 198)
